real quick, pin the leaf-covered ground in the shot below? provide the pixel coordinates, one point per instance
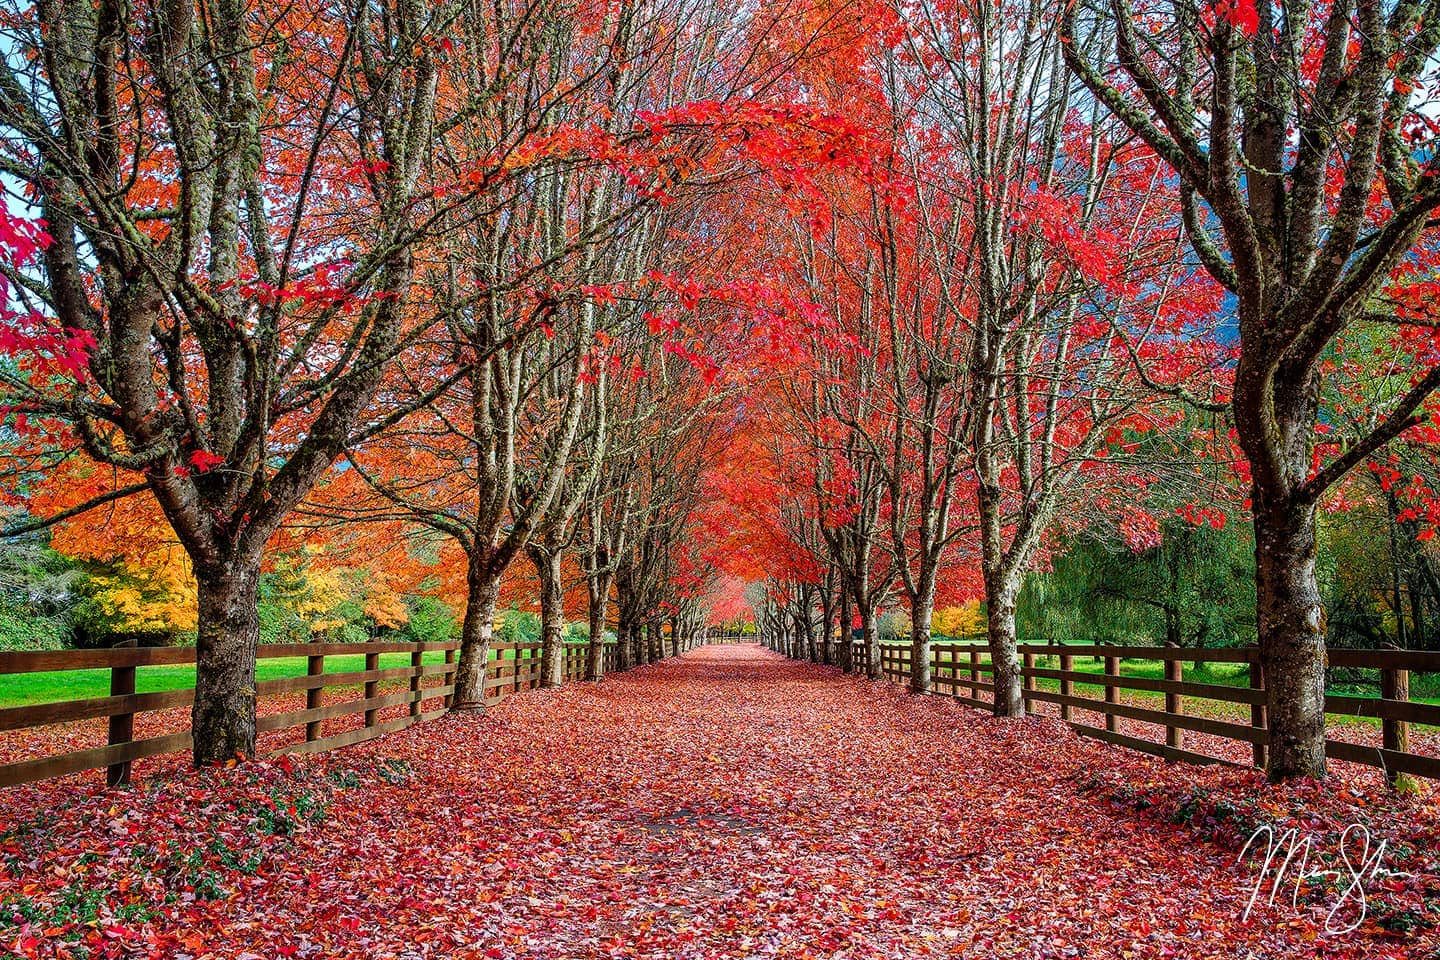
(729, 804)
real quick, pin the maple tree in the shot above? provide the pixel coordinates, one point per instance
(537, 274)
(1063, 266)
(230, 216)
(960, 621)
(154, 599)
(829, 412)
(1307, 193)
(976, 378)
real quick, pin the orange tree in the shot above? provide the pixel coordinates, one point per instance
(232, 195)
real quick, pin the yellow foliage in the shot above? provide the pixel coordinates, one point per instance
(962, 621)
(386, 608)
(317, 596)
(330, 597)
(157, 596)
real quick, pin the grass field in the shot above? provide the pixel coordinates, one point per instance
(22, 688)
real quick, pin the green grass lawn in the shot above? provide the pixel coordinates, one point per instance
(22, 688)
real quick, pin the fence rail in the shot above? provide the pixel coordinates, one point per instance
(964, 672)
(729, 637)
(514, 667)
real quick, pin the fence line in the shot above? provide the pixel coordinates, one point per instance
(516, 667)
(964, 672)
(722, 637)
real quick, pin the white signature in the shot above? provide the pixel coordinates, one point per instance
(1297, 849)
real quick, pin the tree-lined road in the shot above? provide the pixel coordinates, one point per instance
(731, 803)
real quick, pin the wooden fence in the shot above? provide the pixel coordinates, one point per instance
(722, 638)
(963, 671)
(374, 690)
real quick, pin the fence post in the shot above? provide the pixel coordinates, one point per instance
(975, 675)
(1067, 686)
(416, 659)
(372, 663)
(1029, 675)
(1174, 736)
(315, 666)
(448, 678)
(1395, 734)
(1112, 693)
(1257, 710)
(122, 725)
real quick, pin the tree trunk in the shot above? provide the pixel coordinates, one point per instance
(1397, 602)
(1292, 638)
(599, 587)
(482, 592)
(922, 612)
(223, 716)
(1001, 591)
(870, 632)
(552, 616)
(1172, 627)
(1417, 615)
(622, 641)
(827, 626)
(847, 644)
(674, 636)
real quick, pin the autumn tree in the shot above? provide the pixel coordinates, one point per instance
(667, 492)
(232, 196)
(1300, 137)
(489, 462)
(648, 410)
(914, 424)
(831, 410)
(1058, 255)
